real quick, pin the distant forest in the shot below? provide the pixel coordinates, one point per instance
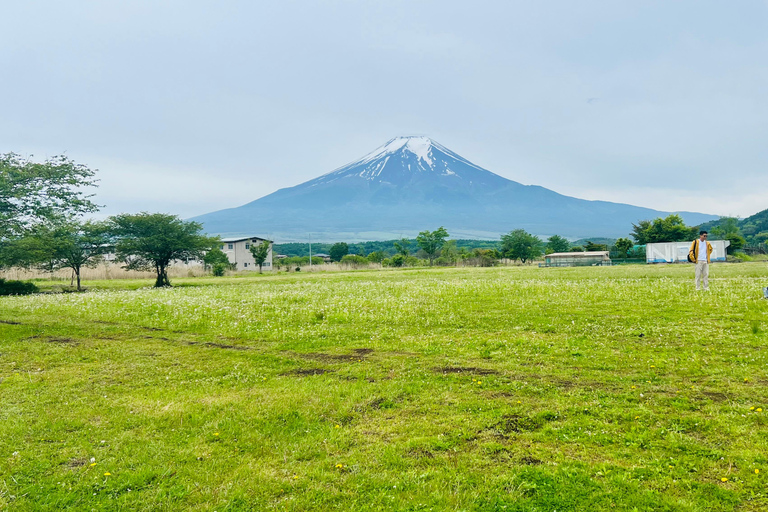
(366, 248)
(388, 246)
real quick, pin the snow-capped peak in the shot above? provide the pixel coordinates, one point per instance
(405, 158)
(418, 145)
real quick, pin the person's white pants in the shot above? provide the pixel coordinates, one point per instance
(702, 275)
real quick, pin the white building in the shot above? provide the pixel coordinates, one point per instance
(238, 250)
(577, 259)
(673, 252)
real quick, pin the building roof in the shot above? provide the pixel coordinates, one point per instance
(587, 254)
(242, 238)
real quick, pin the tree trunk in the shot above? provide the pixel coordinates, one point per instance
(162, 277)
(77, 273)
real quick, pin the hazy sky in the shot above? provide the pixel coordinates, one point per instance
(192, 106)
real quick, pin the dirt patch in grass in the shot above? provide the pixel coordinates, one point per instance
(54, 339)
(333, 358)
(75, 463)
(212, 345)
(564, 383)
(221, 345)
(516, 424)
(716, 396)
(531, 461)
(465, 369)
(9, 322)
(303, 372)
(421, 453)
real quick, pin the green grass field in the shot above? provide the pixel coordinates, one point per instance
(517, 388)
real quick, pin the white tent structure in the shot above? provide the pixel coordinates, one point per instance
(676, 252)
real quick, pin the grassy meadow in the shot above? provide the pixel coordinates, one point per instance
(514, 388)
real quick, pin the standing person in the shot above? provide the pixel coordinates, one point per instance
(701, 258)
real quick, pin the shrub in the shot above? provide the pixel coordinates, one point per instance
(219, 269)
(739, 256)
(355, 260)
(17, 287)
(397, 260)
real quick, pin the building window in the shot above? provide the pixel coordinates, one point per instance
(245, 264)
(267, 264)
(222, 247)
(230, 246)
(247, 246)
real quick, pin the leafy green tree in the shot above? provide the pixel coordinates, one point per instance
(260, 253)
(32, 193)
(338, 251)
(216, 257)
(376, 257)
(589, 246)
(623, 246)
(576, 248)
(403, 247)
(398, 260)
(728, 229)
(519, 244)
(556, 243)
(152, 241)
(65, 244)
(669, 229)
(431, 242)
(449, 253)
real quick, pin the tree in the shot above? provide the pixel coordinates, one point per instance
(431, 241)
(338, 251)
(728, 229)
(32, 193)
(519, 244)
(669, 229)
(403, 247)
(590, 246)
(449, 253)
(556, 243)
(260, 253)
(66, 244)
(215, 257)
(623, 246)
(376, 257)
(152, 241)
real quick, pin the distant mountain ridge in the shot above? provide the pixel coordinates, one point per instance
(414, 183)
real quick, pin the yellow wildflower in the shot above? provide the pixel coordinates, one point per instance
(107, 474)
(723, 479)
(93, 464)
(757, 471)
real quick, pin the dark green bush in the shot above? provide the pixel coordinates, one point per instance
(17, 287)
(218, 269)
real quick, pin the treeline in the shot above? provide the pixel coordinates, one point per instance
(386, 247)
(41, 224)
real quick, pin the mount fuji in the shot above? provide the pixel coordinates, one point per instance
(413, 183)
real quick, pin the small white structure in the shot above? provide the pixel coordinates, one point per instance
(577, 259)
(677, 252)
(238, 250)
